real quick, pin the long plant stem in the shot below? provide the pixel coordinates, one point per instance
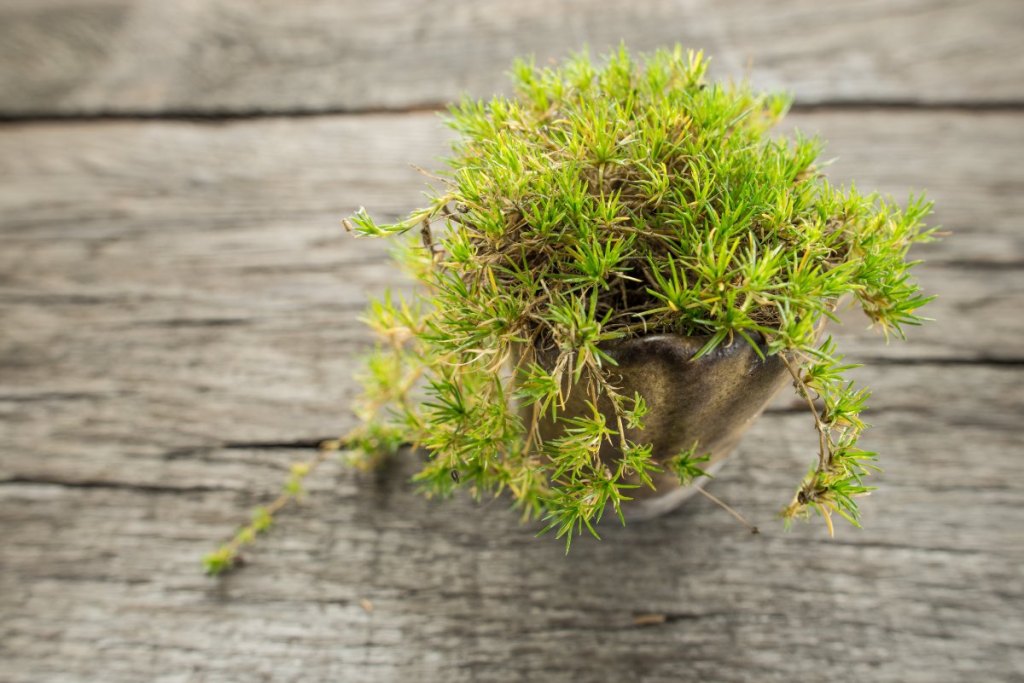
(728, 508)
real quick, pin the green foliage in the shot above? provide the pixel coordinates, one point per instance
(228, 555)
(602, 202)
(687, 465)
(608, 201)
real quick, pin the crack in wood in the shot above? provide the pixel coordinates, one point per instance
(110, 485)
(217, 115)
(981, 361)
(287, 444)
(977, 264)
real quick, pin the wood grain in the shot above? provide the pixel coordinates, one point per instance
(177, 325)
(110, 180)
(227, 56)
(102, 582)
(170, 287)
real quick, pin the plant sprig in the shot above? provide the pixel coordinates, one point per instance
(228, 555)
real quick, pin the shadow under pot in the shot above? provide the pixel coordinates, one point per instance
(710, 401)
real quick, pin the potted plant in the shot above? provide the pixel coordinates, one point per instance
(618, 269)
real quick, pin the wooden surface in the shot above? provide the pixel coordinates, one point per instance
(243, 56)
(177, 325)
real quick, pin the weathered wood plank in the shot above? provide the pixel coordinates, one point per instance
(171, 287)
(111, 180)
(169, 434)
(147, 56)
(104, 583)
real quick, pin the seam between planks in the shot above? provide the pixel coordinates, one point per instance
(227, 116)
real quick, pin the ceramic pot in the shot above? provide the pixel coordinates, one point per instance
(711, 400)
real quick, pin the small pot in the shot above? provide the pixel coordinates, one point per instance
(709, 401)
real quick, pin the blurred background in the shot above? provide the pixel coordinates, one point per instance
(178, 323)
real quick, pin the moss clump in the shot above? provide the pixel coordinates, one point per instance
(606, 202)
(603, 202)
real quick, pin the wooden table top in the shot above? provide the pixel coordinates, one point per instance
(178, 311)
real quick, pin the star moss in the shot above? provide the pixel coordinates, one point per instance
(601, 202)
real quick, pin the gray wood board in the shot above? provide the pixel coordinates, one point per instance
(173, 294)
(195, 277)
(103, 181)
(222, 56)
(367, 581)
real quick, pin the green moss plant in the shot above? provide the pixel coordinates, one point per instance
(601, 202)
